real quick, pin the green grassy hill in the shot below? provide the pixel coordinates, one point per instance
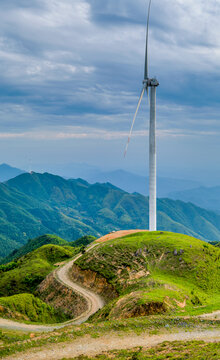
(35, 204)
(83, 241)
(46, 239)
(34, 244)
(27, 307)
(157, 272)
(28, 271)
(20, 278)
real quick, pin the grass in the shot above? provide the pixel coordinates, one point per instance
(20, 278)
(83, 241)
(14, 342)
(27, 307)
(31, 269)
(42, 240)
(176, 270)
(194, 350)
(34, 244)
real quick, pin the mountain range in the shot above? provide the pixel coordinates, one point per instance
(136, 183)
(35, 204)
(125, 180)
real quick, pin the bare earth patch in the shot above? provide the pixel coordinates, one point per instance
(117, 234)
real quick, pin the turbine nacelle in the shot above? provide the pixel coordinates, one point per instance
(150, 82)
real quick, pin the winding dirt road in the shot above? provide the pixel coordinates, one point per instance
(95, 302)
(91, 347)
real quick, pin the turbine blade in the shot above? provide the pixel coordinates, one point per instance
(134, 118)
(146, 53)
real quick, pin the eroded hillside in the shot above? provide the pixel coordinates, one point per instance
(153, 273)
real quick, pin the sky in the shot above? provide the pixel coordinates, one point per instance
(71, 73)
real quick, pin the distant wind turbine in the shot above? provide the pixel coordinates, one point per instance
(152, 83)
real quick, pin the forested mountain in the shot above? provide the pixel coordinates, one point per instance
(36, 204)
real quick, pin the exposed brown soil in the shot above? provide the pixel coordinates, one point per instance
(94, 281)
(14, 315)
(63, 298)
(131, 306)
(117, 234)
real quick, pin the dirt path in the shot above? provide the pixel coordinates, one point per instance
(117, 234)
(91, 347)
(213, 316)
(95, 302)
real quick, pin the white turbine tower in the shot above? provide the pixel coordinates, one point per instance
(152, 83)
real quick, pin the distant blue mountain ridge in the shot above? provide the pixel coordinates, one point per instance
(8, 172)
(207, 197)
(122, 179)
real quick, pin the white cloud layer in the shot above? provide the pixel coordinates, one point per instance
(79, 64)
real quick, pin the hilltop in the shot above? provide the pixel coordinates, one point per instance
(36, 204)
(46, 239)
(147, 273)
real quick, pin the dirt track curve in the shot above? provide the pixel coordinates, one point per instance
(95, 302)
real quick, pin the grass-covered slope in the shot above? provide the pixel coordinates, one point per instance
(46, 239)
(35, 204)
(27, 307)
(34, 244)
(83, 241)
(157, 272)
(28, 271)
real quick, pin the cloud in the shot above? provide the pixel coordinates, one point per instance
(79, 65)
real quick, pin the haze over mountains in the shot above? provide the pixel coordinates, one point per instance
(8, 172)
(35, 204)
(207, 197)
(125, 180)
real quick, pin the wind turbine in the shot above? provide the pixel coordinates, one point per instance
(151, 83)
